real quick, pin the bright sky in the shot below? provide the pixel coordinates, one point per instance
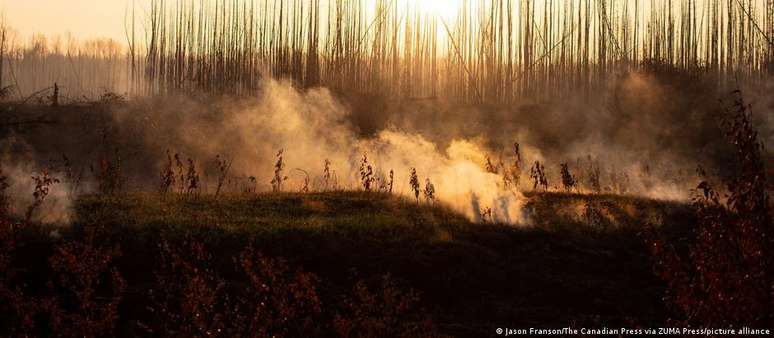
(87, 19)
(83, 18)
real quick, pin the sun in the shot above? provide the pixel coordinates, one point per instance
(444, 9)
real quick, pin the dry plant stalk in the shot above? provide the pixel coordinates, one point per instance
(279, 166)
(71, 177)
(109, 175)
(429, 191)
(180, 173)
(593, 173)
(367, 178)
(538, 176)
(43, 183)
(192, 179)
(327, 175)
(305, 184)
(414, 184)
(167, 175)
(568, 180)
(223, 167)
(392, 180)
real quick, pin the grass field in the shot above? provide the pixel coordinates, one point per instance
(472, 278)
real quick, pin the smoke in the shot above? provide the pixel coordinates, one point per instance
(18, 167)
(450, 147)
(644, 136)
(312, 127)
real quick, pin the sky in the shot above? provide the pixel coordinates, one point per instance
(85, 19)
(89, 19)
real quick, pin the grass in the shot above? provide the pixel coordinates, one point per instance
(471, 277)
(332, 213)
(628, 214)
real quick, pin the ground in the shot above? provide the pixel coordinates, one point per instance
(565, 268)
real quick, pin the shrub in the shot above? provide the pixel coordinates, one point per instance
(188, 299)
(18, 310)
(726, 277)
(383, 310)
(279, 301)
(7, 245)
(86, 291)
(43, 183)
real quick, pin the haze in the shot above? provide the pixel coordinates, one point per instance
(85, 19)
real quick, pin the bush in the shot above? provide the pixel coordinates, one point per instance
(726, 278)
(383, 310)
(85, 290)
(279, 301)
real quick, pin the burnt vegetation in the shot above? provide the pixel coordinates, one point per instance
(723, 276)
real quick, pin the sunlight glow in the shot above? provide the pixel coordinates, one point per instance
(447, 10)
(444, 9)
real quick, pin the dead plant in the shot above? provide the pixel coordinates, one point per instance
(167, 175)
(538, 176)
(367, 178)
(414, 183)
(43, 183)
(429, 191)
(568, 180)
(279, 166)
(192, 179)
(223, 166)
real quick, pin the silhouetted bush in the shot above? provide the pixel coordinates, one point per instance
(726, 277)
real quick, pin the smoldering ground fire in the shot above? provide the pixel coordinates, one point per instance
(314, 126)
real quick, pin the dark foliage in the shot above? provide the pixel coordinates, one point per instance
(725, 277)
